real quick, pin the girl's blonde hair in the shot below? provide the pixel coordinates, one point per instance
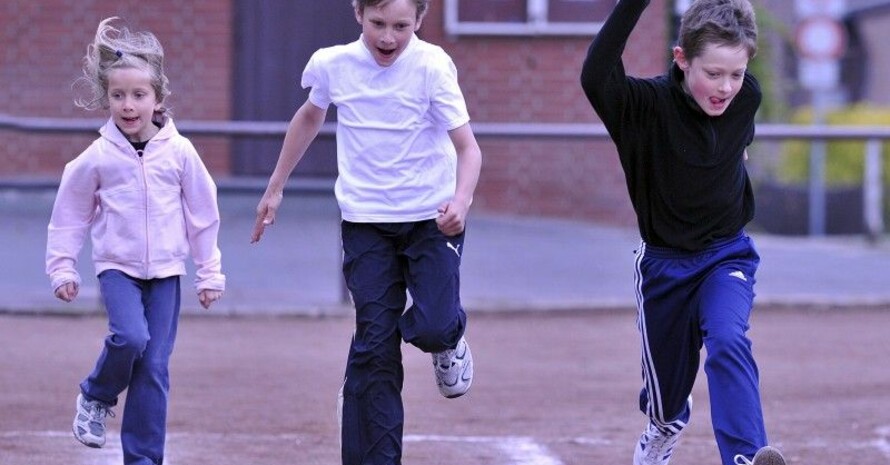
(115, 48)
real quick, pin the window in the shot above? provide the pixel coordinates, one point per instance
(526, 17)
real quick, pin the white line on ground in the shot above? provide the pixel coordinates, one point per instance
(175, 435)
(524, 451)
(521, 450)
(882, 443)
(109, 455)
(35, 434)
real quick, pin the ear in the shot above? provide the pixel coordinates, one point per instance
(419, 22)
(680, 58)
(358, 15)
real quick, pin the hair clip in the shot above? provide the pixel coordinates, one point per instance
(119, 53)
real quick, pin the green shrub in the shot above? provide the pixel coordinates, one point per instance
(762, 66)
(844, 159)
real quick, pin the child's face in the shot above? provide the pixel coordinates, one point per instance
(387, 28)
(715, 77)
(132, 102)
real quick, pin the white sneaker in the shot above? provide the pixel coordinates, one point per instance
(89, 422)
(454, 370)
(655, 446)
(767, 455)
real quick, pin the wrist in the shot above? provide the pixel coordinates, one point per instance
(464, 201)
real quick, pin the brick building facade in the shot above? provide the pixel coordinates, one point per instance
(522, 78)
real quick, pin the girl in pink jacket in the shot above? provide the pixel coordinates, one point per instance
(143, 194)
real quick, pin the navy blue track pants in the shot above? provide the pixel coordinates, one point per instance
(381, 261)
(687, 300)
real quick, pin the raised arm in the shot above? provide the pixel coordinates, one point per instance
(602, 74)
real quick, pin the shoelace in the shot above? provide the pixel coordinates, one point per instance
(443, 359)
(742, 460)
(654, 443)
(99, 411)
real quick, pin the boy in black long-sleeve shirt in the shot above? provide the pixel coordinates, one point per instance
(682, 139)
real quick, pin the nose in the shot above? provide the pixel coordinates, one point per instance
(127, 104)
(388, 38)
(725, 86)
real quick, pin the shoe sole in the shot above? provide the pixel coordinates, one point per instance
(768, 455)
(455, 396)
(84, 441)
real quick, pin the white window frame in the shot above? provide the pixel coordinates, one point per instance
(537, 23)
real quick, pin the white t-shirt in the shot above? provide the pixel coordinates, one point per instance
(395, 159)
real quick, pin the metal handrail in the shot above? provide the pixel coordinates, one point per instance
(534, 130)
(873, 135)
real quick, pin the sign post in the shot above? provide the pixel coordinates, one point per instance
(821, 41)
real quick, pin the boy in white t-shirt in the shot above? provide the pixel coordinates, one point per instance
(408, 165)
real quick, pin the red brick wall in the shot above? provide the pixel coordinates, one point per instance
(514, 79)
(536, 79)
(44, 42)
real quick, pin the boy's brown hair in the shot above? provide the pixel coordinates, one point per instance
(720, 22)
(361, 4)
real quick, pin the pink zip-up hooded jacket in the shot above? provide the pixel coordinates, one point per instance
(146, 214)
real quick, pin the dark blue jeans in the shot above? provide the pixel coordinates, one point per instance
(142, 321)
(380, 263)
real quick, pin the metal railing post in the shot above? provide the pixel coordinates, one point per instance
(816, 189)
(873, 189)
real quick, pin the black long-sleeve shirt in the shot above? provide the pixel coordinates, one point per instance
(684, 170)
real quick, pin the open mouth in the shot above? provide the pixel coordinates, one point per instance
(718, 103)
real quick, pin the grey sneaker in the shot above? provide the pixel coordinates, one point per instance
(454, 370)
(89, 422)
(767, 455)
(655, 446)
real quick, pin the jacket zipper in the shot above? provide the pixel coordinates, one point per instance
(147, 259)
(713, 137)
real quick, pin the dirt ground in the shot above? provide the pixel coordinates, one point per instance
(550, 389)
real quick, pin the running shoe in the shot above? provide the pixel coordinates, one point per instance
(454, 370)
(89, 422)
(767, 455)
(655, 446)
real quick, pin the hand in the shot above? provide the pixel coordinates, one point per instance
(452, 218)
(208, 296)
(265, 214)
(67, 291)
